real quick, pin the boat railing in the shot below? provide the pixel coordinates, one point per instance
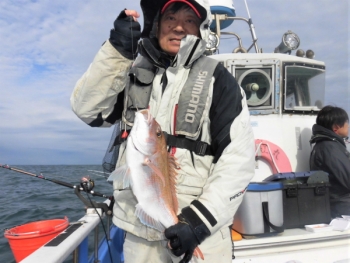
(218, 18)
(74, 241)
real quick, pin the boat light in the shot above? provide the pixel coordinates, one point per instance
(300, 53)
(290, 41)
(310, 54)
(213, 42)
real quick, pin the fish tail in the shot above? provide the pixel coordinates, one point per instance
(198, 253)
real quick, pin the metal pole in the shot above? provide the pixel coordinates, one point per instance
(75, 255)
(108, 227)
(252, 29)
(96, 244)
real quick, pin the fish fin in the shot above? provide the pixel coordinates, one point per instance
(173, 167)
(198, 253)
(148, 220)
(126, 180)
(155, 169)
(121, 173)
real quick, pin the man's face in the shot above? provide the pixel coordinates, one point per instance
(342, 131)
(175, 26)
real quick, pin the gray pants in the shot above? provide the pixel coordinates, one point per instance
(216, 248)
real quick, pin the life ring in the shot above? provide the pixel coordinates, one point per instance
(273, 155)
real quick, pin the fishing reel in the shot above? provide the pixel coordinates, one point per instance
(87, 183)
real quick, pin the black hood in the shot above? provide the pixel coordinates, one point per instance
(150, 9)
(150, 49)
(320, 133)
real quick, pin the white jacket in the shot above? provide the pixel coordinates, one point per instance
(215, 181)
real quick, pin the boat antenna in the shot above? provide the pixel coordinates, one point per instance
(252, 29)
(77, 187)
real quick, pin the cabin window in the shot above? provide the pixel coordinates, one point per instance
(304, 88)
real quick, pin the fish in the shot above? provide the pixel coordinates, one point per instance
(151, 172)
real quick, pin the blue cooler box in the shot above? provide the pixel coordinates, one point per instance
(261, 211)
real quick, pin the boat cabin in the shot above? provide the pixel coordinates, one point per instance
(284, 93)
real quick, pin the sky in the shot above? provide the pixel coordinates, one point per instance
(46, 46)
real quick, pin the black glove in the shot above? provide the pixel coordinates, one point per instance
(187, 234)
(125, 35)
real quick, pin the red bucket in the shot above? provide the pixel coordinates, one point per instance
(27, 238)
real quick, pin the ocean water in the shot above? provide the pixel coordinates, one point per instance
(25, 198)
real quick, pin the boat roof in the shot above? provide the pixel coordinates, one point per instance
(267, 56)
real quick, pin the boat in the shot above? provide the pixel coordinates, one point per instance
(284, 92)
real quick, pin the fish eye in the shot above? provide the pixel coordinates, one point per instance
(159, 132)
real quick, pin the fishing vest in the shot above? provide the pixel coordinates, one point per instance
(191, 105)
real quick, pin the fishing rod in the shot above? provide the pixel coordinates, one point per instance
(98, 173)
(86, 184)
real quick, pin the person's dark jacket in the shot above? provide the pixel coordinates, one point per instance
(330, 155)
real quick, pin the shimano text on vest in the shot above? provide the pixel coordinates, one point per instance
(196, 91)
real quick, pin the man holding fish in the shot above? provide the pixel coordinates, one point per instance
(187, 147)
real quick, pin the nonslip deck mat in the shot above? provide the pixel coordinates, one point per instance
(61, 237)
